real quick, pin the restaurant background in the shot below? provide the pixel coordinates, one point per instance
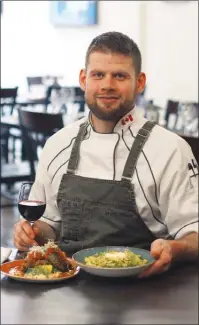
(33, 44)
(166, 32)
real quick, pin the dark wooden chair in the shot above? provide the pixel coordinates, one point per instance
(8, 101)
(79, 98)
(36, 128)
(171, 108)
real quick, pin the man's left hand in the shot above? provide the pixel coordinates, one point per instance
(162, 252)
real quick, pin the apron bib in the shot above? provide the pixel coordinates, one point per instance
(100, 212)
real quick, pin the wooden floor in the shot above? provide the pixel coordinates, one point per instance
(9, 216)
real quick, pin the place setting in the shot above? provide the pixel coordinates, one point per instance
(49, 263)
(41, 263)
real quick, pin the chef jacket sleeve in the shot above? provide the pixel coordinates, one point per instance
(179, 191)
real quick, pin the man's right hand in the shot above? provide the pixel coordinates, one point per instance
(24, 235)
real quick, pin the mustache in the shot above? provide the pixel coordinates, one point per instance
(108, 96)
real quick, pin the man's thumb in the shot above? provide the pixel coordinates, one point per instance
(157, 247)
(35, 229)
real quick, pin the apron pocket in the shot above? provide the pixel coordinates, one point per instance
(71, 212)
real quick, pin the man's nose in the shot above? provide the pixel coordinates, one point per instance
(108, 83)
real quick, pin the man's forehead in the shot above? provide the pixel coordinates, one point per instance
(98, 58)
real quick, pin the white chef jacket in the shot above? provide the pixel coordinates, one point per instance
(166, 190)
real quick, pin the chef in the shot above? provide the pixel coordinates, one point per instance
(114, 178)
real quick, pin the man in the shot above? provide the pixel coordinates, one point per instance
(115, 178)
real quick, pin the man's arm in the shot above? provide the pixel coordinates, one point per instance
(186, 248)
(178, 200)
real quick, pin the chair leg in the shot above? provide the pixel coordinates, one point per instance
(5, 148)
(5, 152)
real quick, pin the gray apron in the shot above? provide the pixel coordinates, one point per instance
(100, 212)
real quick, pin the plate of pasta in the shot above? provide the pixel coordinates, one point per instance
(114, 261)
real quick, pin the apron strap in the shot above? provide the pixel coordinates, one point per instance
(74, 156)
(136, 149)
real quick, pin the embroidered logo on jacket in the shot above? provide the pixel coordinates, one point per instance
(127, 119)
(193, 168)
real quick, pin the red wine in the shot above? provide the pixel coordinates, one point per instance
(31, 210)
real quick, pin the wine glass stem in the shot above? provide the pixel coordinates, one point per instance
(32, 223)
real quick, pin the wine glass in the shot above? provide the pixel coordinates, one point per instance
(31, 210)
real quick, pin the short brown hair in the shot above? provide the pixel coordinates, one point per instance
(117, 43)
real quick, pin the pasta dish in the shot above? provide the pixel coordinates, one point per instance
(113, 259)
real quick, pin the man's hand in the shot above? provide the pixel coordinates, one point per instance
(168, 251)
(161, 250)
(24, 235)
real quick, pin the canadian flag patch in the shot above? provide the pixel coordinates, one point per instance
(127, 119)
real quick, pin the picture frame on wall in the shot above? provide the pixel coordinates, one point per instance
(73, 13)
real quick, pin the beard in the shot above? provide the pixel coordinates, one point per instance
(107, 113)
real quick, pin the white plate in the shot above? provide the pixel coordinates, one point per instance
(5, 268)
(5, 253)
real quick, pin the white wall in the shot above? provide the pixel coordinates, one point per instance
(166, 32)
(171, 50)
(32, 46)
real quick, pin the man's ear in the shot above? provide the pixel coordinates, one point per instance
(141, 82)
(82, 79)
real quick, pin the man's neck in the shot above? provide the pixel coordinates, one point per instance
(101, 126)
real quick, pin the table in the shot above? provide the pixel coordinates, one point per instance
(170, 298)
(30, 102)
(11, 121)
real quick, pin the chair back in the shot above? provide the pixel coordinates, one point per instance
(36, 128)
(8, 99)
(171, 109)
(78, 92)
(33, 81)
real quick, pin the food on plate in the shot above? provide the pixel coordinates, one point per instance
(45, 262)
(111, 259)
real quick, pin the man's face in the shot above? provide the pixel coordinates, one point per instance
(111, 85)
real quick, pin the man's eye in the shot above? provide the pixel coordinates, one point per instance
(98, 75)
(119, 76)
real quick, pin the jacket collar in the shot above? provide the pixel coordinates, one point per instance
(124, 123)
